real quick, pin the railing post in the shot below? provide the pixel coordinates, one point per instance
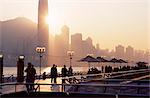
(105, 88)
(39, 87)
(15, 88)
(116, 95)
(63, 86)
(138, 89)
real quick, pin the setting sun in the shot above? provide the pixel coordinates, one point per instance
(53, 24)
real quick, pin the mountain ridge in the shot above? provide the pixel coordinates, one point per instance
(18, 36)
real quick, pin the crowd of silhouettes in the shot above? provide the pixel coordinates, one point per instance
(66, 72)
(31, 72)
(54, 73)
(93, 70)
(109, 69)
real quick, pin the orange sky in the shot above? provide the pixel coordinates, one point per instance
(108, 22)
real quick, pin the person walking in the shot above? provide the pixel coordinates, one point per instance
(54, 74)
(30, 77)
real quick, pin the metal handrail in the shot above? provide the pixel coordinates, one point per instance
(129, 74)
(130, 71)
(104, 75)
(64, 85)
(101, 85)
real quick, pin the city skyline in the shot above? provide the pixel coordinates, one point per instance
(137, 36)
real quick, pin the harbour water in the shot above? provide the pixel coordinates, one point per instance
(7, 71)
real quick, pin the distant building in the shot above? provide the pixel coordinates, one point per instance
(139, 55)
(90, 49)
(97, 50)
(77, 44)
(119, 51)
(61, 46)
(111, 54)
(65, 38)
(129, 53)
(147, 56)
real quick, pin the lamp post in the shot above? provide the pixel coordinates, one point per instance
(21, 57)
(1, 68)
(70, 53)
(40, 50)
(20, 68)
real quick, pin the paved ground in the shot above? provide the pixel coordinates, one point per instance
(44, 88)
(48, 88)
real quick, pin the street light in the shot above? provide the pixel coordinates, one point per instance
(70, 53)
(1, 56)
(40, 50)
(1, 68)
(20, 68)
(21, 57)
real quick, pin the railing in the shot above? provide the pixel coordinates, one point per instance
(81, 78)
(80, 81)
(137, 90)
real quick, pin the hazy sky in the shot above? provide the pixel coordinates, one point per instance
(108, 22)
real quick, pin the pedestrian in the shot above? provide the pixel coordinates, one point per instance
(44, 76)
(54, 74)
(64, 71)
(102, 69)
(30, 77)
(70, 72)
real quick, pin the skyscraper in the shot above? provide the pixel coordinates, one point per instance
(61, 44)
(77, 44)
(43, 30)
(65, 38)
(119, 52)
(129, 53)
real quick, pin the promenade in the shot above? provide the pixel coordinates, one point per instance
(43, 88)
(94, 84)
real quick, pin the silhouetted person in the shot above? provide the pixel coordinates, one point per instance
(54, 73)
(64, 71)
(44, 76)
(102, 69)
(70, 71)
(30, 77)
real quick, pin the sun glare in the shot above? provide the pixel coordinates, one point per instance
(53, 24)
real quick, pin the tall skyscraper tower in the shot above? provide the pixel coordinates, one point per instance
(43, 29)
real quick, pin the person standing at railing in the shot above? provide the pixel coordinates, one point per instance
(70, 71)
(30, 77)
(64, 71)
(54, 73)
(44, 75)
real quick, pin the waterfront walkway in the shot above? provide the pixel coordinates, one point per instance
(43, 88)
(46, 86)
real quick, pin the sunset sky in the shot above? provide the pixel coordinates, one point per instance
(107, 22)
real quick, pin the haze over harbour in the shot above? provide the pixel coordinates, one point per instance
(74, 48)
